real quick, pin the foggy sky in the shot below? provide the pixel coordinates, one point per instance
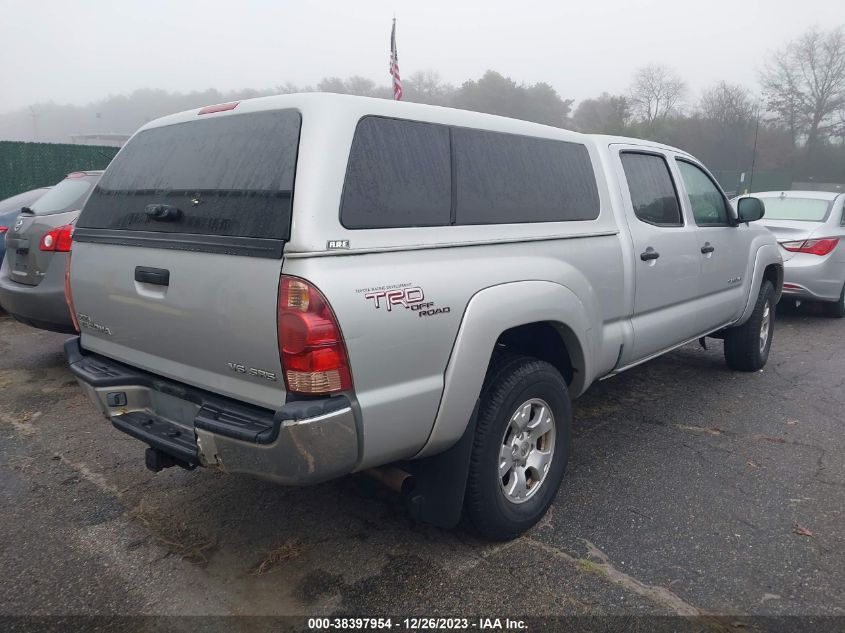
(79, 52)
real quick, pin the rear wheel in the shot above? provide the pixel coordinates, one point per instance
(747, 346)
(837, 309)
(521, 446)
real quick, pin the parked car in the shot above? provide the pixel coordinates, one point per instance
(809, 226)
(32, 277)
(10, 208)
(305, 286)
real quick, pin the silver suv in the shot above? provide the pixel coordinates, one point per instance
(305, 286)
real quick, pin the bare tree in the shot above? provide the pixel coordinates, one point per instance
(841, 127)
(656, 93)
(425, 86)
(354, 85)
(804, 85)
(730, 105)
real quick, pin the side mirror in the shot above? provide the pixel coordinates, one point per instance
(750, 209)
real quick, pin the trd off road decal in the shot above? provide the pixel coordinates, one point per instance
(399, 296)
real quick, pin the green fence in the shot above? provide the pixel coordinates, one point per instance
(25, 166)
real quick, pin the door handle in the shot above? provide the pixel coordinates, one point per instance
(649, 255)
(157, 276)
(707, 248)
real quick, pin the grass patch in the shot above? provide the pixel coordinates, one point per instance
(176, 536)
(589, 566)
(289, 549)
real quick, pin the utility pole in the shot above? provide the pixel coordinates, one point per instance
(34, 115)
(754, 155)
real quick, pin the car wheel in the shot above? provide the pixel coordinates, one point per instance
(747, 346)
(521, 446)
(836, 309)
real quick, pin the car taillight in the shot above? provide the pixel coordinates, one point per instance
(58, 240)
(820, 246)
(3, 229)
(311, 347)
(69, 295)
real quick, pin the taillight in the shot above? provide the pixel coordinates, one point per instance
(58, 240)
(311, 346)
(814, 247)
(69, 295)
(3, 229)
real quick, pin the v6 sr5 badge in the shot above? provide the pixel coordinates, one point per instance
(403, 296)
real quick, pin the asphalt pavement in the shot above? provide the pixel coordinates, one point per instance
(693, 490)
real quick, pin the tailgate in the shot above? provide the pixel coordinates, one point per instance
(178, 252)
(213, 326)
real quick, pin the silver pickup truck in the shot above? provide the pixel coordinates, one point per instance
(305, 286)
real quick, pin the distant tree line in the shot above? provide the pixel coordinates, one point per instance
(796, 121)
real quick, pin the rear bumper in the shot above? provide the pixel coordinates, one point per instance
(301, 443)
(42, 306)
(813, 278)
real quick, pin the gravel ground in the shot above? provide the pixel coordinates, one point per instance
(693, 490)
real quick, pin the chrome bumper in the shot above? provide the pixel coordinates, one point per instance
(305, 452)
(301, 443)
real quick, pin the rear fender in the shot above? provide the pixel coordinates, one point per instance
(489, 313)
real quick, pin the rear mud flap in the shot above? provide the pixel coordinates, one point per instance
(439, 482)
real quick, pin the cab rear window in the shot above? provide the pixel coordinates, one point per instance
(228, 176)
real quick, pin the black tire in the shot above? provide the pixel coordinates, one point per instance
(512, 381)
(743, 349)
(836, 310)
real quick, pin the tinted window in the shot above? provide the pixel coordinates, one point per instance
(708, 204)
(505, 178)
(652, 190)
(228, 175)
(68, 195)
(398, 175)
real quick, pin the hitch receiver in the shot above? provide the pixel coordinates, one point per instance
(157, 460)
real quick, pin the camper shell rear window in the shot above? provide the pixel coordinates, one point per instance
(230, 177)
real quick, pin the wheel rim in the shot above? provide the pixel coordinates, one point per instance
(527, 449)
(765, 327)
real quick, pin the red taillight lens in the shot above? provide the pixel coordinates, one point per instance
(58, 240)
(821, 246)
(69, 296)
(311, 346)
(3, 229)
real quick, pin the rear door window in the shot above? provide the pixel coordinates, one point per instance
(652, 189)
(229, 177)
(398, 175)
(511, 179)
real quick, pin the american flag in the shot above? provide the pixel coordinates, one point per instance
(394, 65)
